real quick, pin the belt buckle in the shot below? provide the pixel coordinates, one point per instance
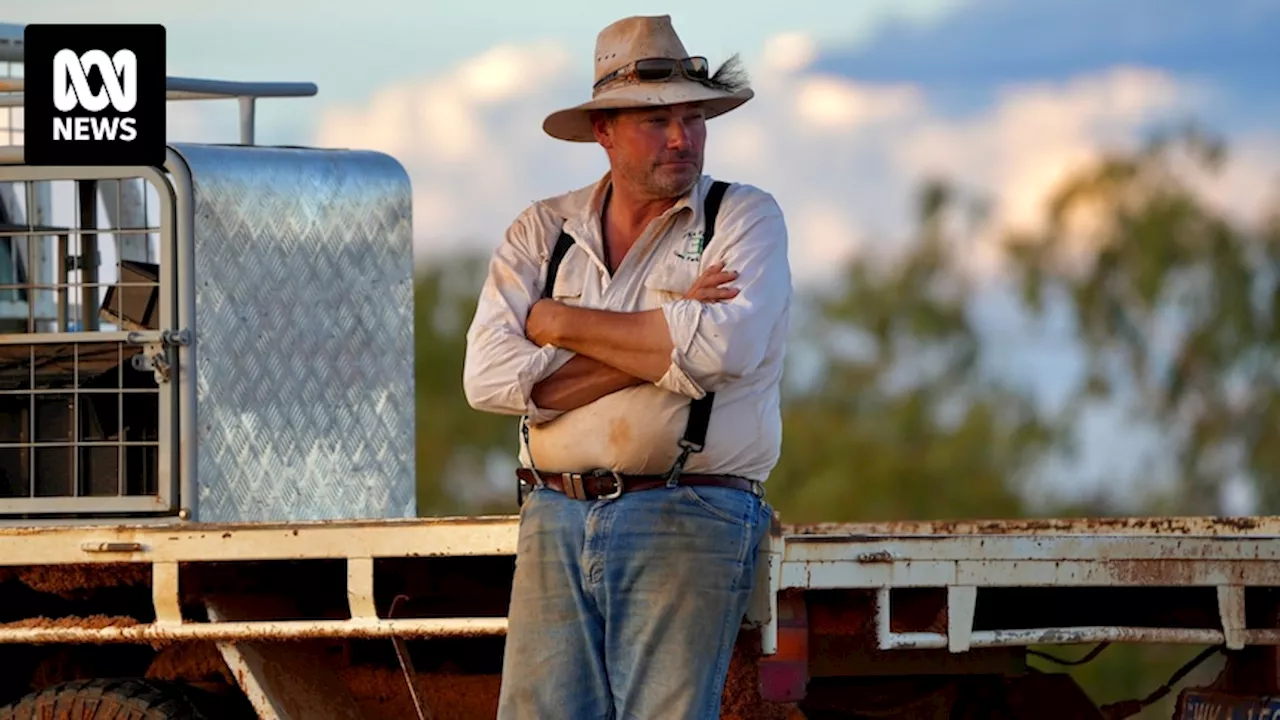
(617, 484)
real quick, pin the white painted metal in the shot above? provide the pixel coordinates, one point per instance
(360, 588)
(164, 593)
(1040, 573)
(962, 600)
(1231, 613)
(962, 565)
(1066, 546)
(765, 596)
(1024, 637)
(426, 537)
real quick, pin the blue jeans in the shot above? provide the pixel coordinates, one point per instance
(628, 609)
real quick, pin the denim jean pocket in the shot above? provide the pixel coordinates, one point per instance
(727, 504)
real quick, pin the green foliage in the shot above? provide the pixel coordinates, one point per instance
(903, 426)
(1176, 307)
(454, 442)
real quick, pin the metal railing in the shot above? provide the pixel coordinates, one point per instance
(184, 88)
(246, 93)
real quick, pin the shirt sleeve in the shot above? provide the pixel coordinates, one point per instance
(501, 365)
(717, 343)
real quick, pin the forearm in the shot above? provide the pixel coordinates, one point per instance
(580, 381)
(500, 372)
(638, 344)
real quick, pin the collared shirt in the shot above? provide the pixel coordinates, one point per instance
(734, 348)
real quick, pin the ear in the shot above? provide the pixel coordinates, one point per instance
(602, 128)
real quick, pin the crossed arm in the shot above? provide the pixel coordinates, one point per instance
(614, 350)
(540, 358)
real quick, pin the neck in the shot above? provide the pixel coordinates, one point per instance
(631, 210)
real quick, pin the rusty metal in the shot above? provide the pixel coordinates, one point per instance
(1069, 636)
(86, 630)
(286, 682)
(1227, 557)
(958, 561)
(282, 681)
(1260, 526)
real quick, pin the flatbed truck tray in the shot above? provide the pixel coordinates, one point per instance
(1225, 557)
(832, 601)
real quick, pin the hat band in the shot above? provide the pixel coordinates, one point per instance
(695, 68)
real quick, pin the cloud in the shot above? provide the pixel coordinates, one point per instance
(1035, 136)
(843, 157)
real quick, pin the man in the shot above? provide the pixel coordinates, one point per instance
(643, 344)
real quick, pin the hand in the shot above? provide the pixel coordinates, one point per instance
(707, 287)
(539, 326)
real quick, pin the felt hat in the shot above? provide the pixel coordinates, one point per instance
(640, 62)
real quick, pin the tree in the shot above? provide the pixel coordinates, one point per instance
(1176, 306)
(461, 453)
(901, 423)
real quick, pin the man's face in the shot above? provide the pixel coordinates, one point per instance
(658, 151)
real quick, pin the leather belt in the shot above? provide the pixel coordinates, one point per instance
(605, 485)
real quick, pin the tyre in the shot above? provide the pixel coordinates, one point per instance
(100, 699)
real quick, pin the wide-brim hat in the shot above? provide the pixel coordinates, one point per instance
(644, 38)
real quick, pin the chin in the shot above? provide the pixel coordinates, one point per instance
(677, 180)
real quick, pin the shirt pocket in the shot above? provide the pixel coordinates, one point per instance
(670, 280)
(571, 278)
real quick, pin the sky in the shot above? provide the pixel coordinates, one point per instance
(856, 103)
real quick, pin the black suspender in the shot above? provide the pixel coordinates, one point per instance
(563, 243)
(695, 431)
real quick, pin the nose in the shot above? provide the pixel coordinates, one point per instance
(678, 134)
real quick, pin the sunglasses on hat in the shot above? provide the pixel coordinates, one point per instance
(658, 70)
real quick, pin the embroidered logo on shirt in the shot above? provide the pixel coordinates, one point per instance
(694, 243)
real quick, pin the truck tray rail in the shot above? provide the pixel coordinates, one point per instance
(928, 586)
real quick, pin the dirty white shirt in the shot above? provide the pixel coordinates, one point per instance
(734, 348)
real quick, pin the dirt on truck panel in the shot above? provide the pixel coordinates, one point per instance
(1166, 526)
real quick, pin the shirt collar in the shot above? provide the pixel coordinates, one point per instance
(581, 210)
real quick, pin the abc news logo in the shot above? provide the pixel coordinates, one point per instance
(71, 91)
(95, 95)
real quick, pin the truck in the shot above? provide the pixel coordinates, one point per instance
(207, 491)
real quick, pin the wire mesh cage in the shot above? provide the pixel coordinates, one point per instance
(81, 291)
